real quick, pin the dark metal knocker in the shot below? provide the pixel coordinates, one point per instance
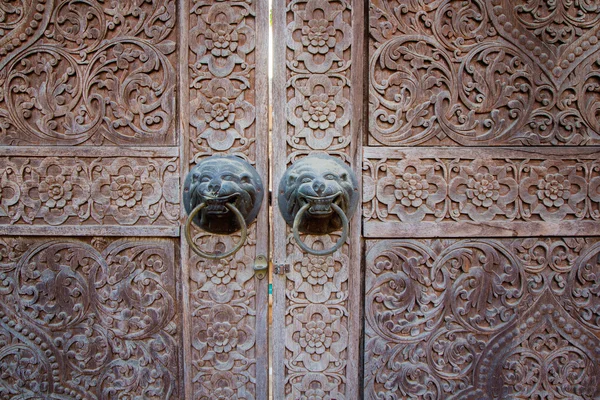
(221, 195)
(316, 196)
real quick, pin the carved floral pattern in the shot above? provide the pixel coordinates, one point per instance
(222, 78)
(81, 323)
(456, 186)
(496, 72)
(318, 113)
(481, 319)
(72, 191)
(100, 73)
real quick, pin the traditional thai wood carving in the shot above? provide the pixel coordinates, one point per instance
(89, 319)
(313, 100)
(482, 318)
(484, 72)
(227, 113)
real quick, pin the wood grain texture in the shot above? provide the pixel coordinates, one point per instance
(482, 318)
(316, 333)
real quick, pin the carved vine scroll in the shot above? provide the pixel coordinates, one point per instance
(484, 72)
(482, 319)
(89, 319)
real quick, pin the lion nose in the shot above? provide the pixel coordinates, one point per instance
(319, 187)
(214, 186)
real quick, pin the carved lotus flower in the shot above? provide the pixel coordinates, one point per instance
(222, 337)
(220, 113)
(318, 36)
(411, 189)
(316, 337)
(483, 190)
(317, 270)
(55, 191)
(222, 39)
(221, 273)
(315, 394)
(553, 190)
(126, 190)
(319, 111)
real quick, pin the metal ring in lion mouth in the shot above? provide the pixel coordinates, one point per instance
(215, 256)
(324, 252)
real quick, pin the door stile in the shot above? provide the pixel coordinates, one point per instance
(297, 370)
(237, 77)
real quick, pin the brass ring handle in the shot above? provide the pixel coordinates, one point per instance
(215, 256)
(324, 252)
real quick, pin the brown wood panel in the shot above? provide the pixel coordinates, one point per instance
(454, 192)
(225, 112)
(319, 52)
(89, 318)
(482, 318)
(483, 73)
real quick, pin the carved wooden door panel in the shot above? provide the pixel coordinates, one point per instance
(481, 200)
(104, 106)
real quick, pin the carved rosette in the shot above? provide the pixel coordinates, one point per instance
(88, 321)
(484, 72)
(482, 318)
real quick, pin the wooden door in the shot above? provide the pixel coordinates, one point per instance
(477, 238)
(480, 201)
(104, 106)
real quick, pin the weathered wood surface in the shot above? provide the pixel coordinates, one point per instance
(103, 106)
(318, 50)
(482, 318)
(452, 84)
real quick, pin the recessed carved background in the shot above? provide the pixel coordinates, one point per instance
(483, 319)
(89, 319)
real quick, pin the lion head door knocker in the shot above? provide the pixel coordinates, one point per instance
(222, 195)
(317, 194)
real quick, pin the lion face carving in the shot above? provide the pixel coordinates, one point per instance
(320, 181)
(217, 181)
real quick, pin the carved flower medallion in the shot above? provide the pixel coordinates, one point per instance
(483, 190)
(220, 113)
(126, 190)
(319, 111)
(316, 337)
(317, 270)
(222, 337)
(55, 191)
(221, 39)
(221, 273)
(318, 36)
(411, 190)
(553, 190)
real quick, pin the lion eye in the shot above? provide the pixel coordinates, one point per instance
(205, 179)
(306, 180)
(227, 177)
(330, 177)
